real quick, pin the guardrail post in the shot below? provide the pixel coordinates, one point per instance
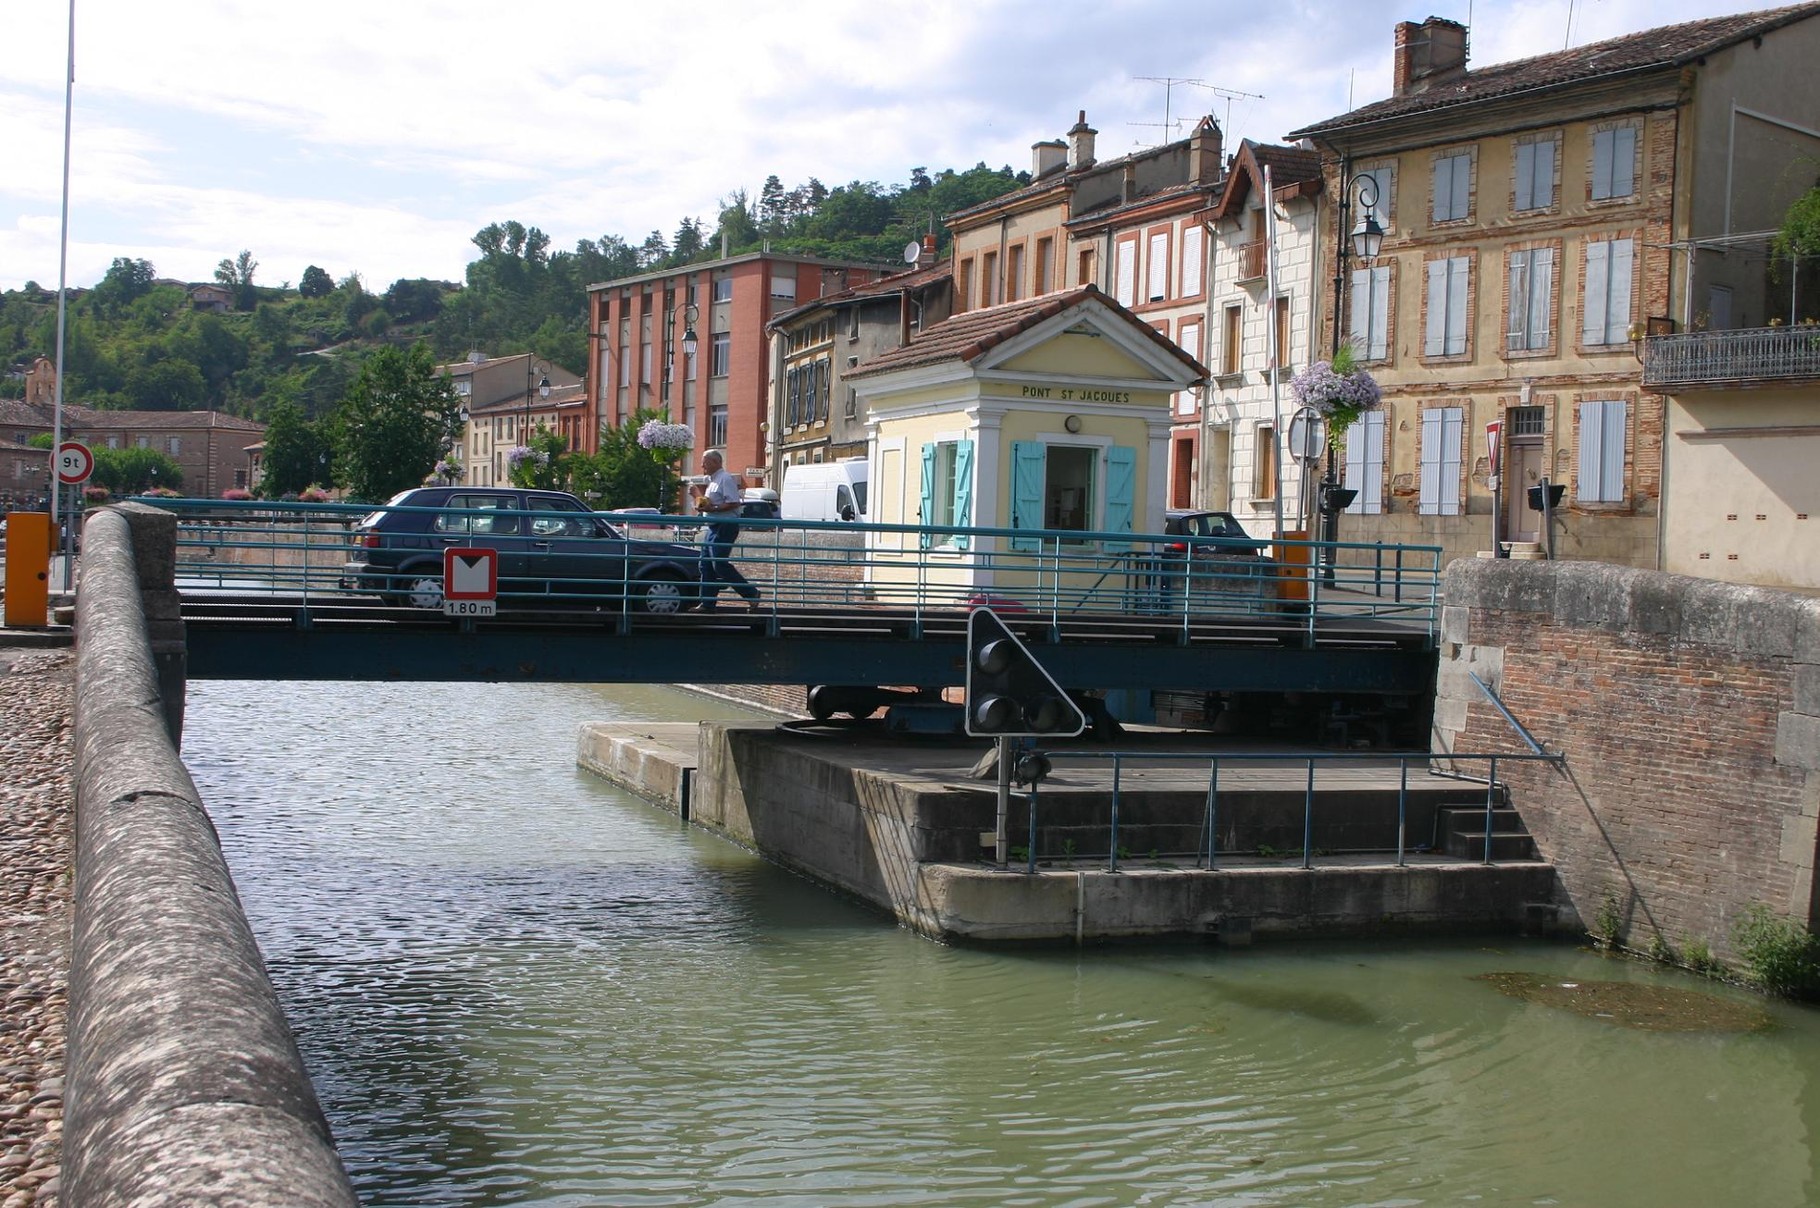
(1030, 839)
(1402, 809)
(1491, 788)
(1112, 864)
(1213, 793)
(1308, 820)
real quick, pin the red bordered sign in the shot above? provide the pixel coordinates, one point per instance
(470, 582)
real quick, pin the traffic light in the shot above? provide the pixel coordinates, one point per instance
(1008, 692)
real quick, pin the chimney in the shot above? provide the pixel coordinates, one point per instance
(1047, 157)
(1428, 54)
(1080, 143)
(1128, 183)
(926, 257)
(1204, 148)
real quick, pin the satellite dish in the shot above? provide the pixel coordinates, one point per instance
(912, 250)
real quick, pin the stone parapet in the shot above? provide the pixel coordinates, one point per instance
(185, 1086)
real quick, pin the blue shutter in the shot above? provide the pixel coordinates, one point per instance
(1526, 177)
(1602, 429)
(1029, 460)
(1623, 161)
(963, 490)
(1617, 297)
(1365, 463)
(926, 513)
(1459, 271)
(1121, 485)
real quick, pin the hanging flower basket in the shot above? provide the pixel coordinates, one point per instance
(665, 442)
(519, 455)
(1338, 391)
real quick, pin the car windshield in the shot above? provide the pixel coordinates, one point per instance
(1212, 524)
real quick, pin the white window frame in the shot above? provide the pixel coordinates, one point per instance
(1124, 272)
(1528, 299)
(1451, 200)
(1156, 276)
(723, 289)
(1443, 431)
(720, 353)
(1604, 427)
(1450, 285)
(1370, 317)
(1365, 464)
(1194, 255)
(1533, 184)
(1610, 279)
(1614, 163)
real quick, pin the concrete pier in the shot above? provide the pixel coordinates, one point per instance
(903, 826)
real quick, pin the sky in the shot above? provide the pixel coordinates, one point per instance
(377, 136)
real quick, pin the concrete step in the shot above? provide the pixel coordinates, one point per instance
(1505, 845)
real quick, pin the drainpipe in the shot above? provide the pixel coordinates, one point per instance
(1213, 262)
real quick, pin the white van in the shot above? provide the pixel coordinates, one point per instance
(828, 490)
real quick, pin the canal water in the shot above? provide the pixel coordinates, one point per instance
(515, 984)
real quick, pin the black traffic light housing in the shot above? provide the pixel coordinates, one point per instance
(1008, 692)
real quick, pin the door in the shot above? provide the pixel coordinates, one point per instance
(1525, 471)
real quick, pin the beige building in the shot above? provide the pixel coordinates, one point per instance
(1541, 216)
(1132, 226)
(1050, 413)
(506, 399)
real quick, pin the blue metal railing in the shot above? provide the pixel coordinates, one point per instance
(1207, 855)
(309, 551)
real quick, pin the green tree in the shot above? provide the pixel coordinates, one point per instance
(546, 466)
(296, 452)
(125, 281)
(396, 421)
(316, 283)
(168, 385)
(622, 474)
(135, 471)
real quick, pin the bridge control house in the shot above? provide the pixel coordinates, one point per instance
(1050, 414)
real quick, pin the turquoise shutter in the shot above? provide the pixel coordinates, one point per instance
(1121, 484)
(963, 490)
(926, 513)
(1029, 460)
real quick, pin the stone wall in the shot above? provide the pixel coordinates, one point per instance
(184, 1086)
(1689, 712)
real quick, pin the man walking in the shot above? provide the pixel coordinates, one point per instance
(719, 498)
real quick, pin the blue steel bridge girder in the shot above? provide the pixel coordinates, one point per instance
(276, 652)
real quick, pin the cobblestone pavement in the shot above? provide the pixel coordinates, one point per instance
(35, 844)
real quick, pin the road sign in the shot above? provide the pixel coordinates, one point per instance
(1008, 693)
(74, 463)
(1307, 435)
(470, 582)
(1494, 440)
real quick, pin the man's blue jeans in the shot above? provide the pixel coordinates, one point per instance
(717, 569)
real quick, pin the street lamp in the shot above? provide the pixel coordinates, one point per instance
(689, 343)
(543, 392)
(1365, 241)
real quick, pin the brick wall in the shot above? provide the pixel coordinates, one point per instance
(1689, 712)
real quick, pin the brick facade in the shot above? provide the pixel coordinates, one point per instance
(1689, 712)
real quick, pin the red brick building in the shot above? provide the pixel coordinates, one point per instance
(639, 326)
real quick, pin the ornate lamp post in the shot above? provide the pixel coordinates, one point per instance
(689, 343)
(1365, 240)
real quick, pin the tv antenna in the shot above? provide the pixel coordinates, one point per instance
(1170, 122)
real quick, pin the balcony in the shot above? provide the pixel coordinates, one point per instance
(1755, 356)
(1253, 260)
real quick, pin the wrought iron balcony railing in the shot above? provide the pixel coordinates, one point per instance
(1753, 356)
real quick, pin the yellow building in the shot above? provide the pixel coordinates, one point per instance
(1540, 217)
(1048, 414)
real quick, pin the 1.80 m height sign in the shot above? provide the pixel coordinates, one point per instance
(74, 463)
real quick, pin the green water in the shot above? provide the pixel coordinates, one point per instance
(515, 984)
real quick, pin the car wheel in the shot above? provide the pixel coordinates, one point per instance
(422, 590)
(663, 595)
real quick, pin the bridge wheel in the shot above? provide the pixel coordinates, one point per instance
(662, 595)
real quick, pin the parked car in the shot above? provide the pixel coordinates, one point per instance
(1226, 533)
(1224, 568)
(553, 551)
(758, 503)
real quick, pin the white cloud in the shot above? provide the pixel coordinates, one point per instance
(380, 136)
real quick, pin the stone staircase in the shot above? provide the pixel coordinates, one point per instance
(1462, 833)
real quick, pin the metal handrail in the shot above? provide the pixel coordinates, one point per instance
(1047, 574)
(1207, 855)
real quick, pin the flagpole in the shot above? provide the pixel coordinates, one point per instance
(63, 260)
